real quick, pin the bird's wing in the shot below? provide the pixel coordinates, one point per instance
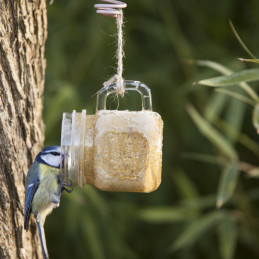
(31, 187)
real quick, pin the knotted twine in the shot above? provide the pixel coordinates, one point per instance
(117, 78)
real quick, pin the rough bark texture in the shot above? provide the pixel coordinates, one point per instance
(23, 33)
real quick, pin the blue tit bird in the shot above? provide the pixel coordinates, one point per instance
(43, 188)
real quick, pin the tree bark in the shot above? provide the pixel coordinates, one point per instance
(23, 32)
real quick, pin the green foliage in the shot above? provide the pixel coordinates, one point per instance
(197, 228)
(241, 41)
(256, 117)
(250, 60)
(227, 184)
(210, 134)
(213, 135)
(227, 235)
(233, 79)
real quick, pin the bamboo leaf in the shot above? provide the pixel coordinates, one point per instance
(234, 117)
(250, 60)
(185, 212)
(165, 214)
(225, 71)
(184, 185)
(240, 40)
(96, 199)
(217, 160)
(256, 117)
(203, 202)
(243, 139)
(227, 235)
(211, 64)
(212, 134)
(247, 75)
(90, 231)
(227, 183)
(196, 229)
(235, 95)
(215, 106)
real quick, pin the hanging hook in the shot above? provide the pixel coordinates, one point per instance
(111, 9)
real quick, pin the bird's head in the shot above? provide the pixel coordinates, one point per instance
(50, 156)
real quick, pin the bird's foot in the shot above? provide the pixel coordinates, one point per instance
(62, 184)
(67, 190)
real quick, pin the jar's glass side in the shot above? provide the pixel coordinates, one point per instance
(71, 138)
(81, 150)
(65, 144)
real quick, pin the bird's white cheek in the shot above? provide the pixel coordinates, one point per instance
(51, 160)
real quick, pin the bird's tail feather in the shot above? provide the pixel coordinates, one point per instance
(42, 240)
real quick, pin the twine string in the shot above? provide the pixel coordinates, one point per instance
(117, 78)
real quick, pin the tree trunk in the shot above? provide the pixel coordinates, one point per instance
(23, 32)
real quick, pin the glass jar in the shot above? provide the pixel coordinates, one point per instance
(114, 150)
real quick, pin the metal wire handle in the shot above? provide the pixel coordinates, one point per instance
(112, 9)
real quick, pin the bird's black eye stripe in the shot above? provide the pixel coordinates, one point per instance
(55, 153)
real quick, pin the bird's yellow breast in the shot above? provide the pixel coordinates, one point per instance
(48, 170)
(48, 178)
(47, 188)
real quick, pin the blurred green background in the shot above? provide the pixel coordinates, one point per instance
(179, 220)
